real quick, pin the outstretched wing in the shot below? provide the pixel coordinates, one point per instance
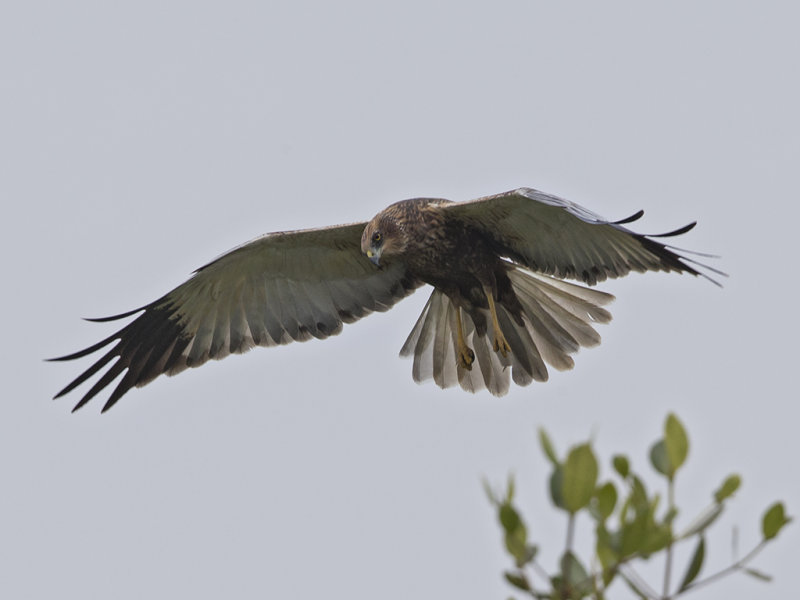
(557, 237)
(279, 288)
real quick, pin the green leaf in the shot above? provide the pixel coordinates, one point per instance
(606, 546)
(659, 458)
(605, 500)
(608, 576)
(677, 442)
(575, 575)
(518, 580)
(669, 453)
(547, 447)
(556, 493)
(638, 494)
(516, 535)
(580, 477)
(517, 547)
(509, 518)
(695, 564)
(639, 532)
(655, 539)
(510, 489)
(632, 536)
(757, 574)
(728, 488)
(669, 517)
(557, 584)
(621, 465)
(774, 520)
(521, 552)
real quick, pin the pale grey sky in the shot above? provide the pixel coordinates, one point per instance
(139, 140)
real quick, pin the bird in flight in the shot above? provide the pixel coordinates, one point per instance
(499, 309)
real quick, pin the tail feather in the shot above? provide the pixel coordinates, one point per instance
(557, 320)
(566, 316)
(442, 354)
(527, 364)
(489, 373)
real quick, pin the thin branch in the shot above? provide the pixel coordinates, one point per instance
(570, 531)
(628, 573)
(737, 566)
(706, 516)
(540, 570)
(668, 565)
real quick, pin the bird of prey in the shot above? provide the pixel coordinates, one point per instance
(499, 309)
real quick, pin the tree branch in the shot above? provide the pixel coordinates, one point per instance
(737, 566)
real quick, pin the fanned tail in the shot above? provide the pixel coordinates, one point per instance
(557, 320)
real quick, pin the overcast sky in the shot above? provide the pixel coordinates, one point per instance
(139, 140)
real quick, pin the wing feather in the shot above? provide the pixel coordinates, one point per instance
(278, 288)
(553, 236)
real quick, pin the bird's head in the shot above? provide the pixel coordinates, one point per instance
(382, 237)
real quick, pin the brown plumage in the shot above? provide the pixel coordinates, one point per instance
(498, 307)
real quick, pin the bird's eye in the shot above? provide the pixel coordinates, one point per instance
(376, 237)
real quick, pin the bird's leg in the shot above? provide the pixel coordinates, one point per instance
(465, 354)
(500, 342)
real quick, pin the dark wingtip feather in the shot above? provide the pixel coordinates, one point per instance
(108, 405)
(678, 231)
(692, 252)
(119, 316)
(140, 351)
(634, 217)
(708, 268)
(86, 351)
(673, 258)
(103, 361)
(109, 376)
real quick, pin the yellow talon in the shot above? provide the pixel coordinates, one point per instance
(466, 357)
(500, 342)
(501, 345)
(465, 354)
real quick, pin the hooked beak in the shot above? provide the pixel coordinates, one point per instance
(375, 257)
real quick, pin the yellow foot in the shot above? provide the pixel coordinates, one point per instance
(501, 345)
(466, 357)
(500, 342)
